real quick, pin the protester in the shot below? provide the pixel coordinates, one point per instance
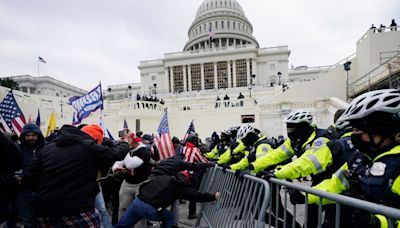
(157, 194)
(32, 142)
(64, 177)
(10, 161)
(136, 169)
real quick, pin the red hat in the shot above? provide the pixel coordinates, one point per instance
(134, 138)
(94, 131)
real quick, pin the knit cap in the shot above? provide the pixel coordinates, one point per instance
(94, 131)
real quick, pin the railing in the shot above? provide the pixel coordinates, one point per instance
(242, 204)
(375, 75)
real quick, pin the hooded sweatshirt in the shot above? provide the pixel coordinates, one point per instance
(64, 173)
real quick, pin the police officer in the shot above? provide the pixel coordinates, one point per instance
(373, 172)
(235, 152)
(221, 147)
(302, 135)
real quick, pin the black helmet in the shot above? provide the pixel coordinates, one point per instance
(193, 138)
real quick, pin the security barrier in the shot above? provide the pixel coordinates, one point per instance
(392, 214)
(243, 201)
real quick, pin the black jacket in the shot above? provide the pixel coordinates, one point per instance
(142, 172)
(64, 173)
(28, 152)
(175, 164)
(162, 191)
(10, 161)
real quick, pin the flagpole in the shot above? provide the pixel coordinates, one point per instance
(38, 71)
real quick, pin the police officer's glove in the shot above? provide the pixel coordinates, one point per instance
(296, 197)
(361, 218)
(224, 167)
(266, 175)
(251, 157)
(240, 174)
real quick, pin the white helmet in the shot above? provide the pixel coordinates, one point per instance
(385, 100)
(299, 116)
(244, 131)
(342, 124)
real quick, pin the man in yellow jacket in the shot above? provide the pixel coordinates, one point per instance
(373, 172)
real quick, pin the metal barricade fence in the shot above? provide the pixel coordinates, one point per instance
(243, 202)
(392, 214)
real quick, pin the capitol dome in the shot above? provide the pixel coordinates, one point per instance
(226, 20)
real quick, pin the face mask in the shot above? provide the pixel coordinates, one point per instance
(250, 139)
(360, 144)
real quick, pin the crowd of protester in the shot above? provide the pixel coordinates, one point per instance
(75, 177)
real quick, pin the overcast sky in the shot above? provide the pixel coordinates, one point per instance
(85, 41)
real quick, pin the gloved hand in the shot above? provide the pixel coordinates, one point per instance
(224, 167)
(251, 157)
(296, 197)
(266, 175)
(363, 218)
(240, 173)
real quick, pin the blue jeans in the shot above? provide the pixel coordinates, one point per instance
(26, 207)
(101, 207)
(138, 210)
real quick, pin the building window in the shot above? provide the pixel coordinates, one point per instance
(195, 70)
(153, 77)
(222, 74)
(248, 118)
(24, 89)
(209, 75)
(178, 78)
(169, 79)
(200, 28)
(187, 78)
(57, 94)
(216, 25)
(234, 25)
(241, 73)
(231, 66)
(228, 24)
(251, 67)
(222, 25)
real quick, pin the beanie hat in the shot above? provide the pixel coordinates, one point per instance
(31, 128)
(94, 131)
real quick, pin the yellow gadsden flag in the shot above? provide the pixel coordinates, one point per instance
(52, 125)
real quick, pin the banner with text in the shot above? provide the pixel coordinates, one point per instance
(87, 103)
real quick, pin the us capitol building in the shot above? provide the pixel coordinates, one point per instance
(223, 59)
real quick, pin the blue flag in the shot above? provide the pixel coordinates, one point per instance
(88, 103)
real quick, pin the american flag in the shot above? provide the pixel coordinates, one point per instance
(125, 125)
(211, 34)
(189, 130)
(193, 154)
(163, 139)
(11, 116)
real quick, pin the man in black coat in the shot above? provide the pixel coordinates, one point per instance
(64, 176)
(157, 194)
(10, 161)
(32, 142)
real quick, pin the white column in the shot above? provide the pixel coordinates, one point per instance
(220, 42)
(190, 77)
(234, 42)
(172, 78)
(184, 77)
(229, 74)
(215, 75)
(248, 71)
(234, 73)
(202, 75)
